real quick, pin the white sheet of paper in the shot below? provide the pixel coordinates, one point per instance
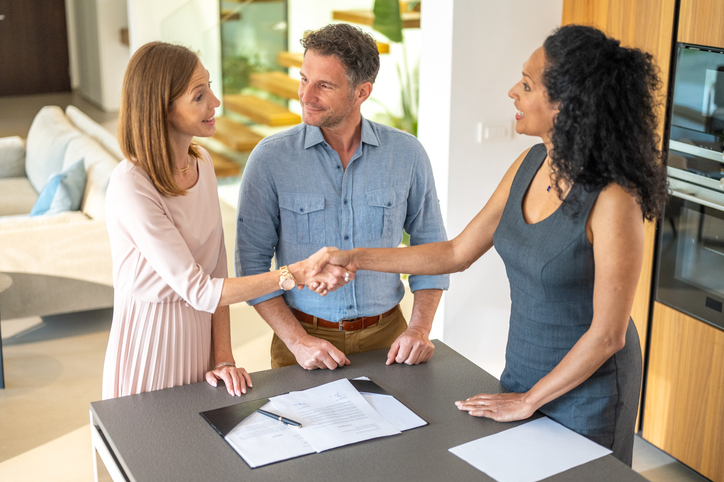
(261, 440)
(529, 452)
(333, 415)
(394, 411)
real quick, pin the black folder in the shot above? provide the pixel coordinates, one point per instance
(226, 418)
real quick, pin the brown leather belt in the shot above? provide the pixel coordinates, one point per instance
(343, 325)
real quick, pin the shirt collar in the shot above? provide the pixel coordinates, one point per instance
(313, 135)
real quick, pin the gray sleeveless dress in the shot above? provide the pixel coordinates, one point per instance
(550, 267)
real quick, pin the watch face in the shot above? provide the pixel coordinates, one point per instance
(288, 284)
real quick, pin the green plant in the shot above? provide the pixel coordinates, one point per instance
(236, 71)
(388, 21)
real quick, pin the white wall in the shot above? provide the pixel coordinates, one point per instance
(98, 60)
(114, 56)
(97, 57)
(192, 23)
(145, 19)
(472, 54)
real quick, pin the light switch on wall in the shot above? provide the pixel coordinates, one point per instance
(493, 131)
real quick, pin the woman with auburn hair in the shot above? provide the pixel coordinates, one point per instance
(171, 316)
(567, 219)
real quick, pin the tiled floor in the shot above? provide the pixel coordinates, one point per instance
(53, 365)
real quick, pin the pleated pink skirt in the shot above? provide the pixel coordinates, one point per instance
(154, 346)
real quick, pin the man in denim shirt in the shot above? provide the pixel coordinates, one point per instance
(339, 180)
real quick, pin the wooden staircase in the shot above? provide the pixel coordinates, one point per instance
(277, 83)
(290, 59)
(233, 140)
(224, 166)
(228, 143)
(261, 111)
(235, 135)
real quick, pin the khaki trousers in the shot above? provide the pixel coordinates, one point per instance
(381, 335)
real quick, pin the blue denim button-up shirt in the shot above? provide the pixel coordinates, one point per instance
(296, 198)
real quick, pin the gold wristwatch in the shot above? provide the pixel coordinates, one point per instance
(286, 280)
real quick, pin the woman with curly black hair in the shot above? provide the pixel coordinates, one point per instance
(567, 219)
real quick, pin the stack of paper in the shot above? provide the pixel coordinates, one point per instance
(332, 415)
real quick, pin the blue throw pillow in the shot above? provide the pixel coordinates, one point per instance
(63, 191)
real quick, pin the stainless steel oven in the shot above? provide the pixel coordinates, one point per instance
(690, 275)
(690, 256)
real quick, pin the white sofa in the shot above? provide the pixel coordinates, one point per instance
(59, 263)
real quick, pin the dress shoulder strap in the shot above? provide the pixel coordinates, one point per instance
(527, 170)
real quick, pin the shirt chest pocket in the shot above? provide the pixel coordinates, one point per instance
(302, 217)
(385, 213)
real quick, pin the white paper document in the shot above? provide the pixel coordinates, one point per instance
(333, 415)
(529, 452)
(261, 440)
(401, 417)
(393, 410)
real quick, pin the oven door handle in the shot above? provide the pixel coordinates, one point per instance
(695, 199)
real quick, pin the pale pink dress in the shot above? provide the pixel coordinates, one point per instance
(169, 265)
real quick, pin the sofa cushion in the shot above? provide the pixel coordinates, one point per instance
(95, 130)
(18, 196)
(63, 192)
(12, 157)
(98, 177)
(49, 135)
(99, 165)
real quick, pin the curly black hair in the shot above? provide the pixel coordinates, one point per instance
(356, 49)
(605, 129)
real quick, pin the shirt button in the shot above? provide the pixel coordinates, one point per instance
(339, 167)
(346, 237)
(349, 307)
(301, 210)
(389, 204)
(345, 201)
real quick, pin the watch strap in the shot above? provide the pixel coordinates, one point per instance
(284, 276)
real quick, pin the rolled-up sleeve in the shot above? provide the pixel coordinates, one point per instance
(257, 220)
(424, 219)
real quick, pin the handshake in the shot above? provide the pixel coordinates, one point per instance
(327, 270)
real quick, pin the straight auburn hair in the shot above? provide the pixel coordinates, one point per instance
(157, 74)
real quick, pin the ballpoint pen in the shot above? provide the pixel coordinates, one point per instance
(283, 420)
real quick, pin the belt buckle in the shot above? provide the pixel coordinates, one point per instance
(340, 323)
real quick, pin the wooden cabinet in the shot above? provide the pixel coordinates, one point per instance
(684, 406)
(684, 403)
(702, 22)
